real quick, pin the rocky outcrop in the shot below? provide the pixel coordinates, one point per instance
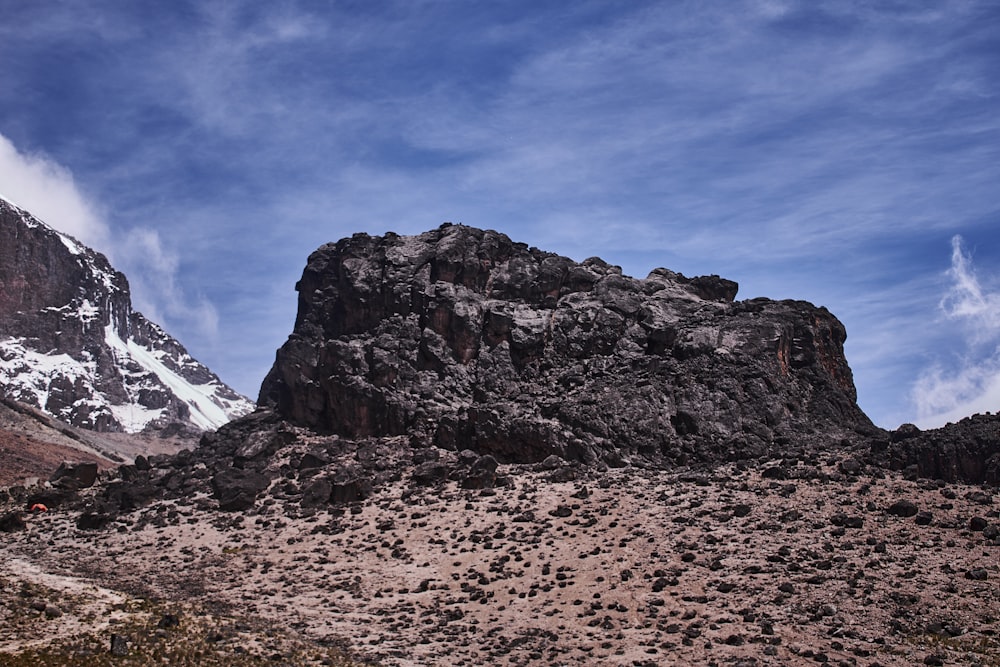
(460, 357)
(71, 344)
(968, 450)
(460, 338)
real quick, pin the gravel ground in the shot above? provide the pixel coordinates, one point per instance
(783, 564)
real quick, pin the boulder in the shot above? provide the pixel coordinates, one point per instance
(317, 493)
(75, 475)
(12, 521)
(127, 496)
(237, 489)
(903, 508)
(482, 474)
(350, 485)
(94, 519)
(430, 473)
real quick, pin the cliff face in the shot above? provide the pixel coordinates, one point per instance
(71, 344)
(463, 339)
(968, 450)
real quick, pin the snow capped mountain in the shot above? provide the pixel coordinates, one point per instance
(71, 344)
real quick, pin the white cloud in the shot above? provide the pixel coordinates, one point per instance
(943, 396)
(966, 300)
(156, 291)
(973, 384)
(47, 190)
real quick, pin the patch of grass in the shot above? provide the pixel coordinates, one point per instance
(188, 639)
(985, 648)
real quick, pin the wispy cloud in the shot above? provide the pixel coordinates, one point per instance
(158, 295)
(967, 301)
(954, 388)
(43, 187)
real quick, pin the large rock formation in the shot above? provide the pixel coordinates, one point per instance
(463, 339)
(461, 356)
(71, 344)
(967, 451)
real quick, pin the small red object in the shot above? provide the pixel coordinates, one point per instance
(38, 507)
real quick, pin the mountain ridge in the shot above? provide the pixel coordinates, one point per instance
(71, 344)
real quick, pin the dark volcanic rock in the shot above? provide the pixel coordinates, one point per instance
(237, 489)
(482, 474)
(317, 493)
(430, 472)
(94, 519)
(76, 475)
(12, 521)
(968, 450)
(129, 495)
(51, 497)
(461, 338)
(903, 508)
(350, 485)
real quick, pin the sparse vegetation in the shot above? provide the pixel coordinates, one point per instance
(985, 648)
(151, 633)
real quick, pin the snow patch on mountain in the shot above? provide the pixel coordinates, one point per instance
(207, 410)
(71, 344)
(70, 244)
(37, 378)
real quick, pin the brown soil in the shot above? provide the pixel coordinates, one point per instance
(22, 457)
(33, 444)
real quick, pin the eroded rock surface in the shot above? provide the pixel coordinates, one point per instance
(463, 339)
(968, 450)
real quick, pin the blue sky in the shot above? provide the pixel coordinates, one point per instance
(844, 153)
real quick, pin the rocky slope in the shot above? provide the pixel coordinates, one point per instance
(460, 338)
(34, 444)
(815, 561)
(438, 475)
(71, 344)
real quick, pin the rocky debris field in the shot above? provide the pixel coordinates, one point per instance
(807, 560)
(71, 619)
(68, 620)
